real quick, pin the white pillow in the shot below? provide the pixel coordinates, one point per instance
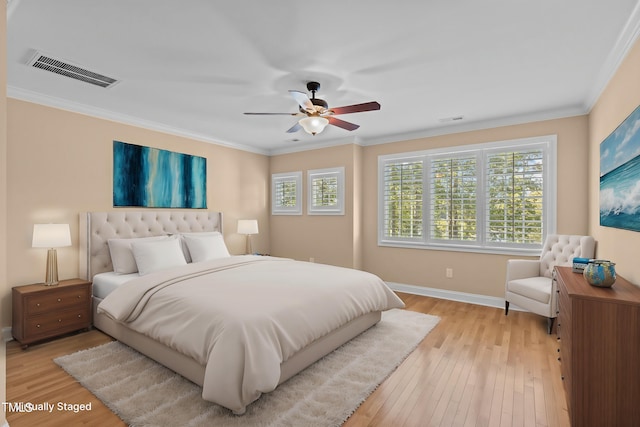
(206, 246)
(159, 255)
(122, 255)
(185, 249)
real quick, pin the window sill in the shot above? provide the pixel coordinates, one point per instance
(534, 252)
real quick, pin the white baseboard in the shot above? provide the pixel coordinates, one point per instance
(452, 295)
(6, 334)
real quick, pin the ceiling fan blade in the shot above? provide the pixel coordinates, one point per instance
(342, 124)
(302, 99)
(271, 114)
(356, 108)
(294, 128)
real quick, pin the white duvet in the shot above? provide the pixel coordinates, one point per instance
(243, 316)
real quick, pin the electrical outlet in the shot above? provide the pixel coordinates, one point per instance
(449, 273)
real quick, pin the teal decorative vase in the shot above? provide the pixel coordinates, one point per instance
(600, 272)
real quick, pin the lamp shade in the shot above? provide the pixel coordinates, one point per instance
(247, 226)
(313, 124)
(51, 235)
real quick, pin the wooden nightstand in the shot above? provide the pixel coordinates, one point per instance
(41, 312)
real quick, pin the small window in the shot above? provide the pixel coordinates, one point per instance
(326, 191)
(286, 197)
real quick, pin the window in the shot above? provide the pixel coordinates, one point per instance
(286, 189)
(326, 191)
(402, 198)
(515, 189)
(453, 186)
(496, 197)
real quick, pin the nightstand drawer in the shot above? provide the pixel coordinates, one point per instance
(58, 322)
(41, 312)
(58, 299)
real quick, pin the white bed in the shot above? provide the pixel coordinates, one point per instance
(96, 228)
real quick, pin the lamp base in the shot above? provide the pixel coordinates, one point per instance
(51, 278)
(249, 247)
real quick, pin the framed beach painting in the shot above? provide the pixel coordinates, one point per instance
(154, 178)
(620, 175)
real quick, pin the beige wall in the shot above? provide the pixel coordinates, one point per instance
(352, 240)
(472, 272)
(61, 164)
(618, 100)
(328, 239)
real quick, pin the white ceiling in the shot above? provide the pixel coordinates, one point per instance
(193, 67)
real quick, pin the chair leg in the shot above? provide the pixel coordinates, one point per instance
(550, 321)
(506, 308)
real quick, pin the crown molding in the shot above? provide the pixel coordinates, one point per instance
(626, 39)
(478, 125)
(75, 107)
(443, 130)
(11, 7)
(49, 101)
(296, 148)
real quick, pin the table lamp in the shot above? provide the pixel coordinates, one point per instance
(51, 236)
(248, 227)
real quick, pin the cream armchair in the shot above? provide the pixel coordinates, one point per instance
(529, 284)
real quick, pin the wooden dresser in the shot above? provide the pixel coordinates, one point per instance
(599, 350)
(41, 312)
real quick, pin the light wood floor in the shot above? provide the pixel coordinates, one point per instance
(478, 367)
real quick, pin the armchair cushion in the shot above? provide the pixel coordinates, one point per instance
(522, 268)
(535, 288)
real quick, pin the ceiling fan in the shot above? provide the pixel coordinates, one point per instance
(317, 114)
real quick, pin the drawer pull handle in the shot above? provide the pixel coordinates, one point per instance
(79, 296)
(59, 320)
(38, 305)
(79, 316)
(38, 325)
(59, 299)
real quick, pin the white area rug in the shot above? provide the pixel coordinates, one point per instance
(144, 393)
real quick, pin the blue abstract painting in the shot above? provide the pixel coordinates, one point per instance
(620, 175)
(154, 178)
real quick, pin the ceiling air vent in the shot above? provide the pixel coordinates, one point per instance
(63, 68)
(451, 119)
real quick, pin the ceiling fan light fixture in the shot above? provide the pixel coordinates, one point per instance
(313, 124)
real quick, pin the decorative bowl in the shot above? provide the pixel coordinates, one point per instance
(600, 272)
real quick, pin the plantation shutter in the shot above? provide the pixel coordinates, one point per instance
(326, 191)
(285, 193)
(403, 202)
(515, 190)
(453, 187)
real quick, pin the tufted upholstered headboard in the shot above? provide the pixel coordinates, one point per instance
(96, 228)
